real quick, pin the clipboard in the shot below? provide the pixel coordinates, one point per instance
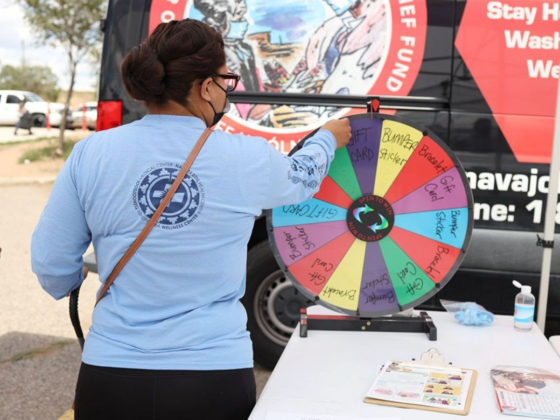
(427, 384)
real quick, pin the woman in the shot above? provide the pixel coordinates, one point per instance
(169, 339)
(24, 121)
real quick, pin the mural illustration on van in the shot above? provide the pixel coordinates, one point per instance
(343, 47)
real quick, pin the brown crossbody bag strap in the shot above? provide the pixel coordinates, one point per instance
(153, 220)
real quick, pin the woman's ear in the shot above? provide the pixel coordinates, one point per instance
(205, 89)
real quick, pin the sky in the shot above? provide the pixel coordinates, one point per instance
(16, 37)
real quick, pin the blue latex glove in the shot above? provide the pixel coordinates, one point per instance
(473, 314)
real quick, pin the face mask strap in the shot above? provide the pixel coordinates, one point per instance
(218, 115)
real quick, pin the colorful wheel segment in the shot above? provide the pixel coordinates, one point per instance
(388, 228)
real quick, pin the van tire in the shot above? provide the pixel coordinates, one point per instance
(39, 120)
(272, 303)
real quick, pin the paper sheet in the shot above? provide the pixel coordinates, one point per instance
(277, 415)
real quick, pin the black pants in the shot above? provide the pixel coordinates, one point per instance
(112, 393)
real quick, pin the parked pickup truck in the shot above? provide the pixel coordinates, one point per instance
(37, 107)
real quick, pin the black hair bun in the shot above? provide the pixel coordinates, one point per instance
(143, 74)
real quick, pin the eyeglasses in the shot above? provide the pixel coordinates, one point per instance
(231, 80)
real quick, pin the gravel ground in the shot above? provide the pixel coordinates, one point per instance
(39, 355)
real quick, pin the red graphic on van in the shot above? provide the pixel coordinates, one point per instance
(511, 49)
(343, 47)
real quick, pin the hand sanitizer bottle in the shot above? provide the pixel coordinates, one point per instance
(524, 308)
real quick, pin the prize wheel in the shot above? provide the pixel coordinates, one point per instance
(388, 227)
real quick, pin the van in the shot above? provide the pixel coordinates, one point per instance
(480, 74)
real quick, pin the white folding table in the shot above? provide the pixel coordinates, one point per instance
(328, 373)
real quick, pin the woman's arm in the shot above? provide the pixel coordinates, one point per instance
(61, 236)
(292, 179)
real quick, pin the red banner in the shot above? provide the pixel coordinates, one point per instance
(511, 49)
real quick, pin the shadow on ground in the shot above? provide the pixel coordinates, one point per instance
(37, 375)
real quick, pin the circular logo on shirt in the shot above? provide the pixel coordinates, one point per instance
(185, 205)
(370, 218)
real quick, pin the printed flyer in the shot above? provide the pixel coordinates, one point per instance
(526, 391)
(411, 385)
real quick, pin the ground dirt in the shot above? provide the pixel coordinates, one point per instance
(43, 170)
(11, 168)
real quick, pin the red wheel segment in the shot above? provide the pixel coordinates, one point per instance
(427, 161)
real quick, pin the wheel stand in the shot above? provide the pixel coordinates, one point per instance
(395, 323)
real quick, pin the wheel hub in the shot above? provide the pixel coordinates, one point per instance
(277, 307)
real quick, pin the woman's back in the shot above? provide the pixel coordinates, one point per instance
(174, 309)
(179, 294)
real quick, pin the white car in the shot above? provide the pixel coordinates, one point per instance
(37, 107)
(90, 116)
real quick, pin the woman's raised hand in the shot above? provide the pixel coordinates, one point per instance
(340, 129)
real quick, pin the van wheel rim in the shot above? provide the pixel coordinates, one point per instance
(276, 306)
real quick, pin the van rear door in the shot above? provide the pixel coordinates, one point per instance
(126, 25)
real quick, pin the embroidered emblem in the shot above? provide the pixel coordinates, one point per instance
(305, 170)
(185, 205)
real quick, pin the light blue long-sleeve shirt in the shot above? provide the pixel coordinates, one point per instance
(175, 305)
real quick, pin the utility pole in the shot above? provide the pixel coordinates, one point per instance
(23, 64)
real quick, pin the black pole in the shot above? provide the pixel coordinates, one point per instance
(413, 103)
(74, 315)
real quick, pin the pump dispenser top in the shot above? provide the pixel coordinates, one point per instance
(526, 290)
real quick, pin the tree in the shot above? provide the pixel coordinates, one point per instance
(70, 24)
(37, 79)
